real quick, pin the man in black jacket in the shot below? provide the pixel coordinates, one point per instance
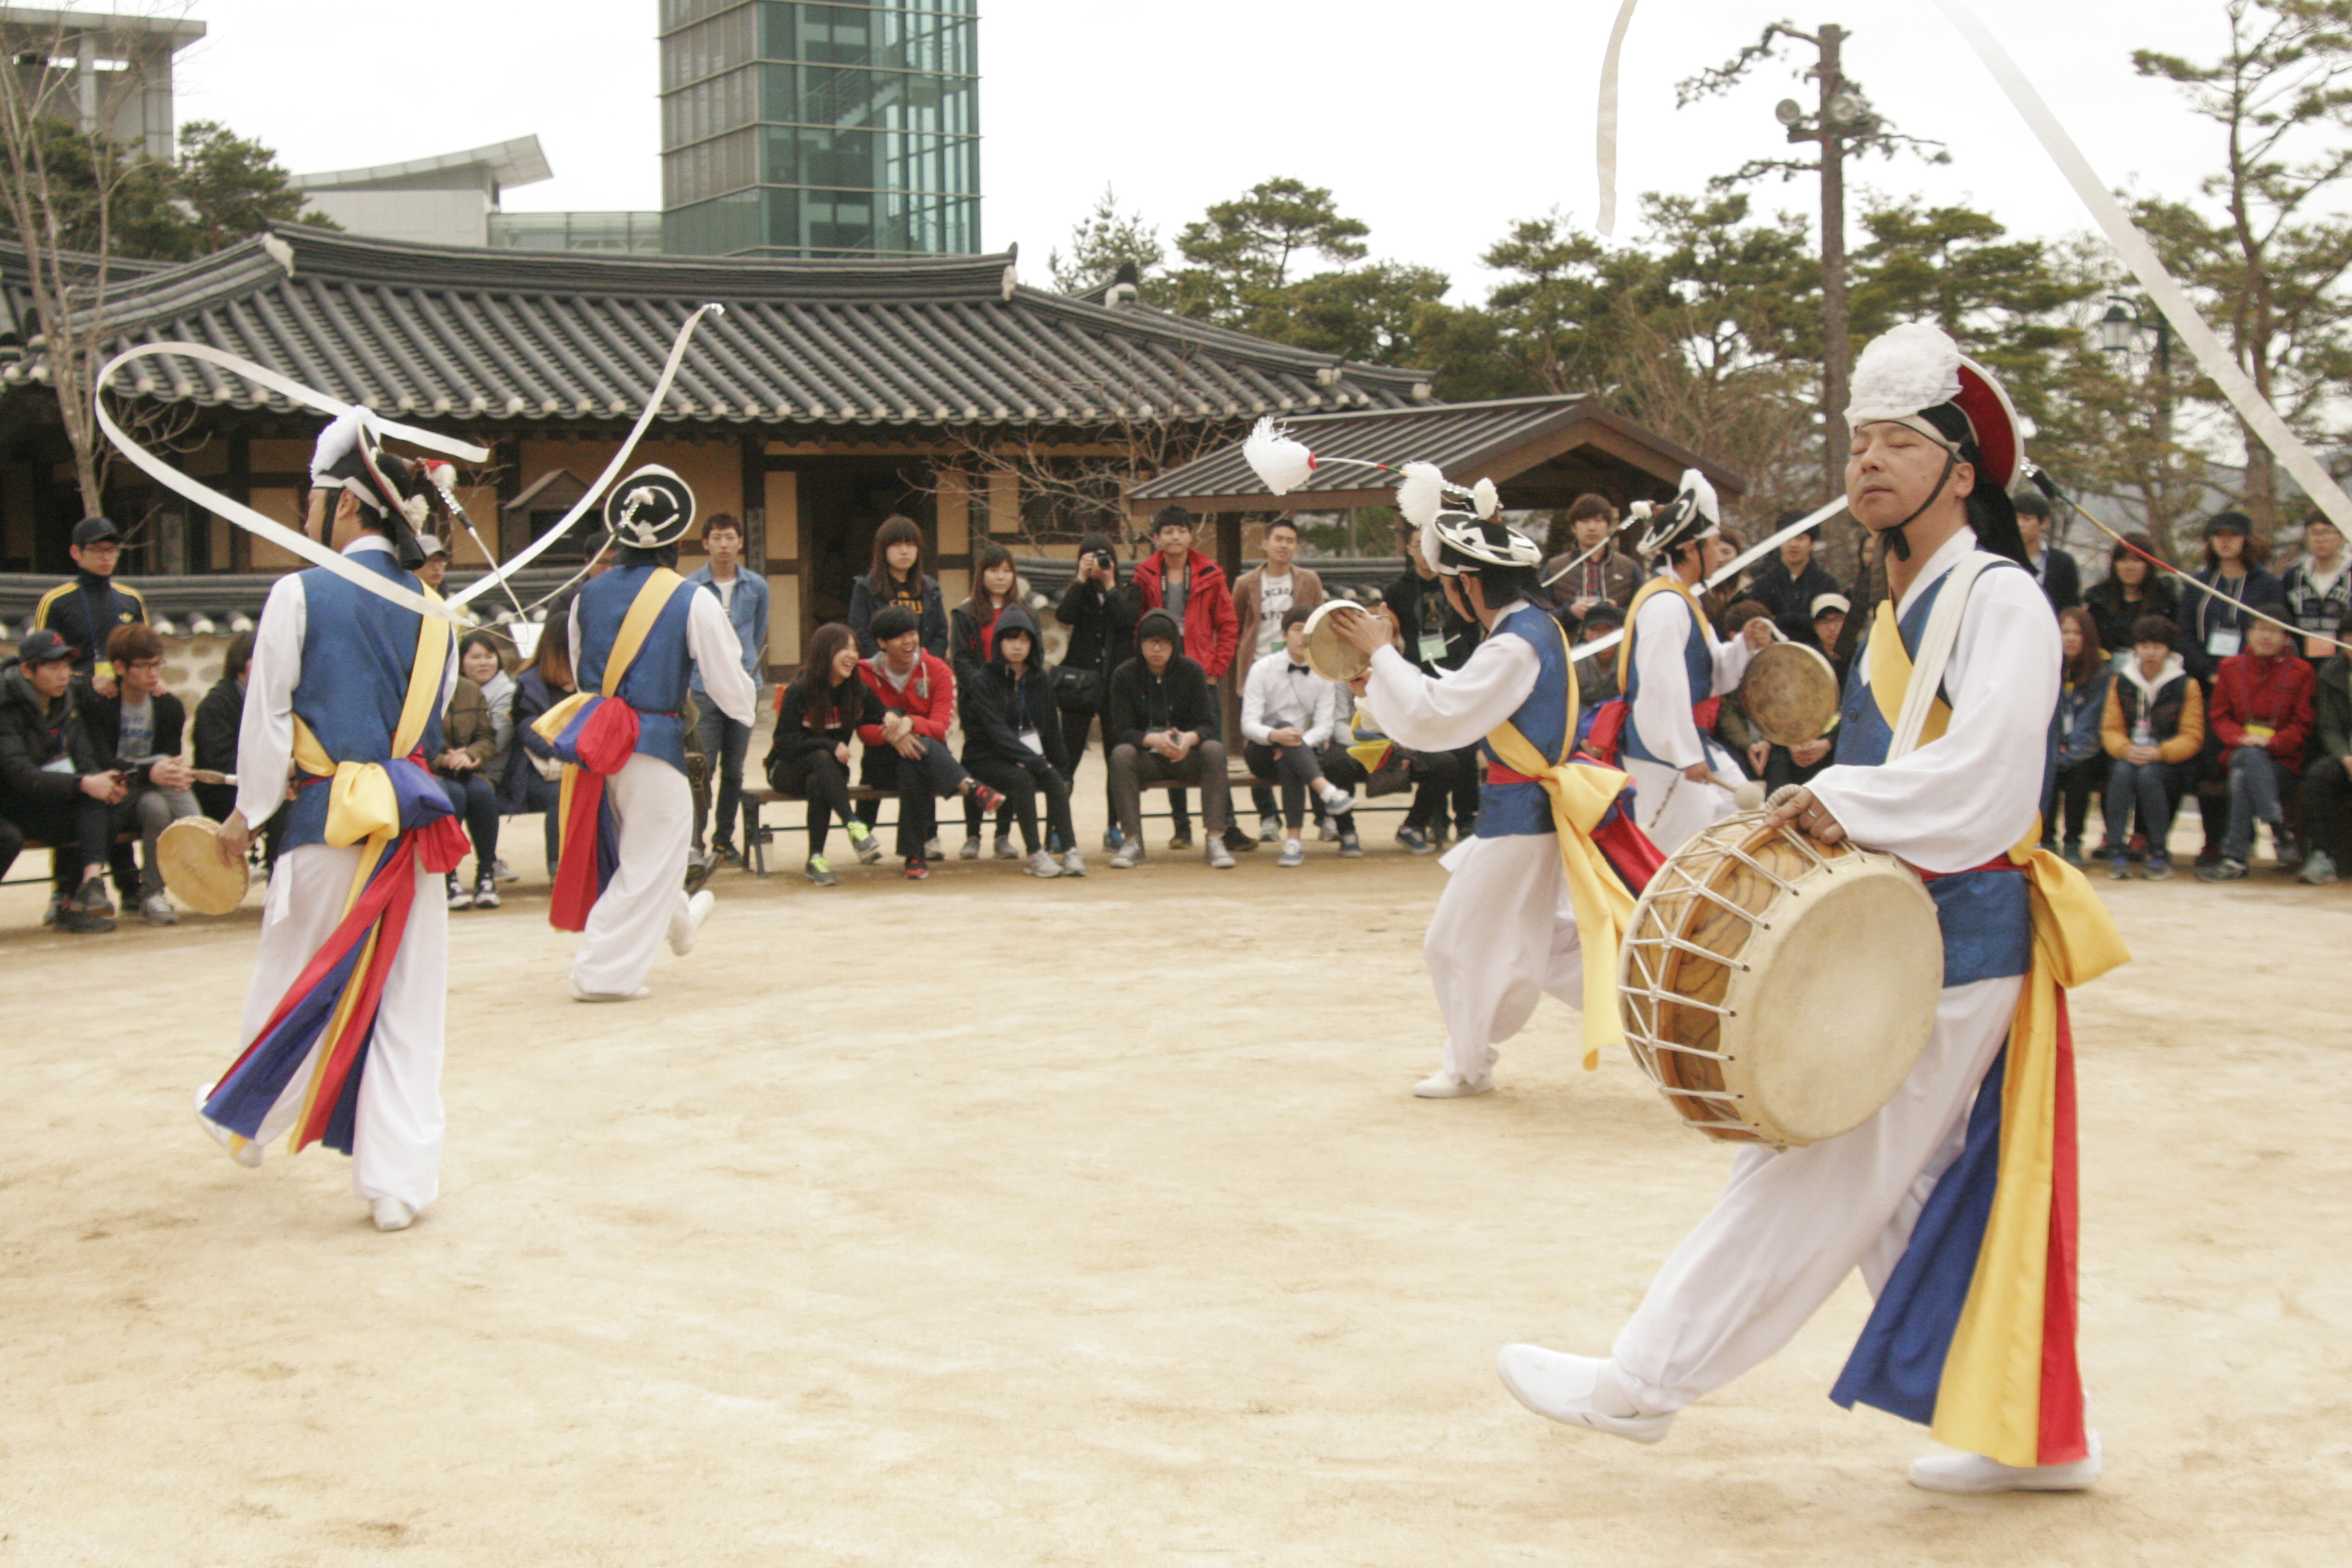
(51, 786)
(86, 611)
(1790, 583)
(1163, 726)
(2061, 579)
(1438, 637)
(137, 732)
(1099, 611)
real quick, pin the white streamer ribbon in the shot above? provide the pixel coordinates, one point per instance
(244, 516)
(1731, 568)
(2212, 356)
(1605, 133)
(531, 551)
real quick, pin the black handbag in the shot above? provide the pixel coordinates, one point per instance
(1079, 688)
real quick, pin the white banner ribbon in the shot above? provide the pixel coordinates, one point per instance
(1730, 568)
(1605, 133)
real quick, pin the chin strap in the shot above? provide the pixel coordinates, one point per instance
(1896, 538)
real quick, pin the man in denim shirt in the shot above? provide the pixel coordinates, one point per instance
(744, 597)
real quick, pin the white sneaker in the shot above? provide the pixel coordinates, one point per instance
(1042, 865)
(1269, 831)
(1294, 853)
(1218, 858)
(1074, 864)
(697, 914)
(1129, 852)
(639, 994)
(1576, 1391)
(390, 1214)
(502, 871)
(932, 850)
(244, 1150)
(1445, 1086)
(970, 850)
(1975, 1473)
(1335, 799)
(460, 897)
(1005, 851)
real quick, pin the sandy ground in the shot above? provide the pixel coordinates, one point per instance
(994, 1221)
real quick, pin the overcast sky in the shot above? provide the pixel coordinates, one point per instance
(1437, 125)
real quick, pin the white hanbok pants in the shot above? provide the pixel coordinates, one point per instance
(1504, 933)
(645, 903)
(397, 1141)
(1790, 1226)
(1669, 811)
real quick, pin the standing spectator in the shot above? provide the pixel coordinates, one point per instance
(1262, 596)
(2318, 588)
(907, 746)
(2328, 782)
(1605, 577)
(972, 639)
(1828, 629)
(136, 733)
(1288, 716)
(51, 786)
(2213, 628)
(2152, 728)
(1098, 613)
(2132, 588)
(744, 597)
(535, 776)
(2054, 569)
(1437, 637)
(1013, 741)
(1720, 552)
(85, 612)
(815, 717)
(436, 561)
(2082, 760)
(1191, 588)
(1163, 723)
(896, 577)
(469, 741)
(1789, 583)
(213, 734)
(2262, 713)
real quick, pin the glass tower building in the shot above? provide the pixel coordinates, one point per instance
(799, 130)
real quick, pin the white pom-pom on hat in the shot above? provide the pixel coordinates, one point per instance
(339, 439)
(1486, 499)
(1423, 494)
(1281, 462)
(1904, 369)
(1695, 485)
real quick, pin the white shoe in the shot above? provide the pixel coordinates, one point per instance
(698, 913)
(1294, 853)
(1005, 851)
(639, 994)
(1445, 1086)
(244, 1150)
(390, 1214)
(1218, 858)
(1074, 864)
(1042, 865)
(1576, 1391)
(1975, 1473)
(1128, 854)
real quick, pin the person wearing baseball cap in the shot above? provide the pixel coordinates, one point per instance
(86, 610)
(51, 785)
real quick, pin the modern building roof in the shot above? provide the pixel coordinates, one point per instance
(519, 161)
(1539, 451)
(482, 336)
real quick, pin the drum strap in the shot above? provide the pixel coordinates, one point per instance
(1911, 696)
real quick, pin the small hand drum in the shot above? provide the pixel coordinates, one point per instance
(1790, 693)
(1326, 654)
(189, 852)
(1778, 990)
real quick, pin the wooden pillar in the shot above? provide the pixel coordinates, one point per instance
(514, 532)
(755, 472)
(239, 487)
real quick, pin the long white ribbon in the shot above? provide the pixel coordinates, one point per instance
(244, 516)
(1605, 133)
(2212, 356)
(1730, 568)
(531, 551)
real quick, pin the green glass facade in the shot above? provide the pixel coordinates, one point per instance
(797, 129)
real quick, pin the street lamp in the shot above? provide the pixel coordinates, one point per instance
(2126, 324)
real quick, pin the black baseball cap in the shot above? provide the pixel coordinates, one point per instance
(43, 646)
(92, 531)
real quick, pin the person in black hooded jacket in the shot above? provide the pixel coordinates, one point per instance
(1013, 739)
(51, 785)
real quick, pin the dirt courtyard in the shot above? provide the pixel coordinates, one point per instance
(1000, 1221)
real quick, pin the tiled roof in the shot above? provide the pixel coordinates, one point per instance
(483, 336)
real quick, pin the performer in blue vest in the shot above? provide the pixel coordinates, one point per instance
(1669, 661)
(343, 1025)
(638, 633)
(1957, 1201)
(1507, 929)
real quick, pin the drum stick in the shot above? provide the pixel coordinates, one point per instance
(211, 776)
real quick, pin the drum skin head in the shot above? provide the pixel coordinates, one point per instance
(1790, 693)
(1331, 659)
(189, 853)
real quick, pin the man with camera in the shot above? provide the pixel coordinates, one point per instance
(1099, 613)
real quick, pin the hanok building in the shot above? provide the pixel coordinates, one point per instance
(829, 395)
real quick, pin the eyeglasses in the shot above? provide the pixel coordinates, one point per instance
(144, 664)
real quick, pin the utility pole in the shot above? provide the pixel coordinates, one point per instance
(1833, 96)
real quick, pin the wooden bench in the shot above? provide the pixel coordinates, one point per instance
(131, 836)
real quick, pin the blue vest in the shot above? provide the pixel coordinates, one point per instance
(656, 683)
(1698, 663)
(1508, 809)
(1986, 922)
(357, 651)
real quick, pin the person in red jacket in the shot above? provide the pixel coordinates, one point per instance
(2262, 715)
(1191, 587)
(908, 750)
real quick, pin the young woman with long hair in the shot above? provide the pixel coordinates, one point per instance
(2132, 588)
(996, 586)
(1013, 741)
(815, 717)
(2081, 770)
(896, 577)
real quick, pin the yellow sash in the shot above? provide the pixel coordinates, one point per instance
(653, 596)
(1581, 794)
(1988, 1401)
(1641, 596)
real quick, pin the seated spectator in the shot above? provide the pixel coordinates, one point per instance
(896, 577)
(2132, 588)
(51, 786)
(2082, 760)
(2262, 711)
(482, 661)
(1604, 577)
(1164, 723)
(1596, 674)
(1369, 752)
(534, 776)
(136, 732)
(2327, 781)
(2318, 588)
(1013, 741)
(1437, 637)
(436, 561)
(815, 717)
(1289, 714)
(1721, 551)
(907, 748)
(1790, 580)
(1759, 758)
(469, 739)
(2152, 728)
(1830, 611)
(971, 637)
(1098, 613)
(219, 716)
